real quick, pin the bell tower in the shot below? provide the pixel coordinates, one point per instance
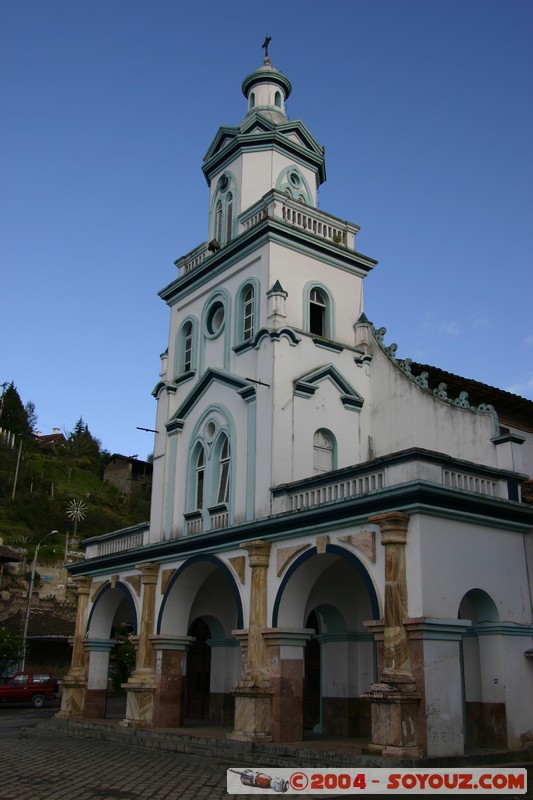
(262, 327)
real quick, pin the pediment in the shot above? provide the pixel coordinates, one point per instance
(297, 132)
(242, 387)
(307, 385)
(223, 137)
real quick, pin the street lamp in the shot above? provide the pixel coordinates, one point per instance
(30, 592)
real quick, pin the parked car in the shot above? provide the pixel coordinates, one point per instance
(30, 687)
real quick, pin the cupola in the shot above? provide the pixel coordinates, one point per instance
(266, 90)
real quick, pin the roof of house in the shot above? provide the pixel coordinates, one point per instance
(42, 624)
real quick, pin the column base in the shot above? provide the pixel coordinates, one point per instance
(395, 711)
(252, 711)
(73, 698)
(140, 701)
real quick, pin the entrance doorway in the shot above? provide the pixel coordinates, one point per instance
(198, 671)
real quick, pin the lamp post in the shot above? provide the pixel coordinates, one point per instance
(30, 592)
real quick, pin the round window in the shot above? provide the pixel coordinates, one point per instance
(215, 318)
(295, 179)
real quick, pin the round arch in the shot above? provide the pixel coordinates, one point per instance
(201, 587)
(113, 605)
(289, 598)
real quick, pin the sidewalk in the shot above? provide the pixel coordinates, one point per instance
(211, 742)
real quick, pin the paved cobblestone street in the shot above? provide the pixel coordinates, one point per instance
(55, 767)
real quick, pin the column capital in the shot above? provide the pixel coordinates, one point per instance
(258, 552)
(149, 573)
(393, 526)
(83, 584)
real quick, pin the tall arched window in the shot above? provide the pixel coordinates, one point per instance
(218, 224)
(317, 313)
(224, 209)
(229, 217)
(187, 346)
(200, 478)
(223, 470)
(185, 359)
(323, 452)
(248, 313)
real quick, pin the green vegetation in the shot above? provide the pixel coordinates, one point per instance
(10, 649)
(46, 480)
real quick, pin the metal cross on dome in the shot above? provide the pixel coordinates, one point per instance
(265, 44)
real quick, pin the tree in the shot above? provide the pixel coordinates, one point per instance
(13, 415)
(83, 449)
(10, 649)
(31, 416)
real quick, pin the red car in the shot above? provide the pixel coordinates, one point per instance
(30, 687)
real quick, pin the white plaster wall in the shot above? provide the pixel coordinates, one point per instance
(457, 556)
(98, 670)
(404, 416)
(518, 670)
(443, 698)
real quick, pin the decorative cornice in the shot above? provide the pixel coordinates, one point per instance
(307, 385)
(421, 380)
(243, 387)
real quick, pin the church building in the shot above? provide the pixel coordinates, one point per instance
(338, 540)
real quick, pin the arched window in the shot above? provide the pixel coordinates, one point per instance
(223, 470)
(317, 313)
(323, 452)
(200, 478)
(187, 346)
(224, 209)
(229, 217)
(185, 360)
(248, 313)
(218, 223)
(252, 99)
(277, 100)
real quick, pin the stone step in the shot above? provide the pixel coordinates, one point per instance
(310, 754)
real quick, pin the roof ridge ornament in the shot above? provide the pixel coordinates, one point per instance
(264, 46)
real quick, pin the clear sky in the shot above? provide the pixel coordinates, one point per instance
(109, 106)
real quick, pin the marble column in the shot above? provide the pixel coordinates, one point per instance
(75, 684)
(140, 687)
(253, 692)
(395, 700)
(170, 671)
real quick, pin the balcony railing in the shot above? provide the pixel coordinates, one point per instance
(277, 205)
(329, 488)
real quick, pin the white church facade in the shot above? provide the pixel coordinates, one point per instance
(338, 541)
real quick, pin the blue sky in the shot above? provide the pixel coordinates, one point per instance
(425, 110)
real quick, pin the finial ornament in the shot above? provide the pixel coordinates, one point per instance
(265, 45)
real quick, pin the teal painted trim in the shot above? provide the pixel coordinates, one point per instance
(255, 142)
(266, 76)
(329, 311)
(292, 181)
(514, 438)
(276, 336)
(100, 645)
(308, 384)
(441, 630)
(218, 418)
(326, 345)
(179, 354)
(251, 455)
(270, 230)
(158, 388)
(334, 638)
(219, 195)
(240, 341)
(184, 377)
(223, 643)
(222, 296)
(501, 629)
(170, 480)
(209, 377)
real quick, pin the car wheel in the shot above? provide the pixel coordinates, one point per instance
(37, 701)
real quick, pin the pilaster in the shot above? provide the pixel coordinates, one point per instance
(140, 687)
(75, 685)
